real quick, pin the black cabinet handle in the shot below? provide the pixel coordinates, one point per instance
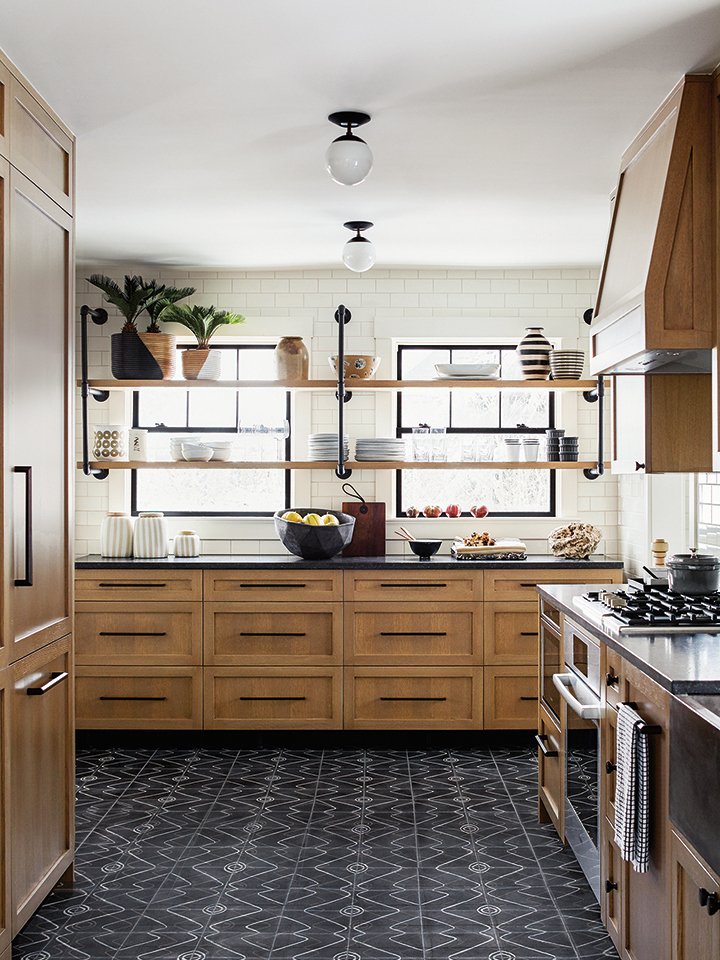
(610, 767)
(419, 699)
(109, 633)
(158, 699)
(273, 586)
(709, 900)
(55, 679)
(639, 466)
(27, 580)
(248, 634)
(610, 885)
(414, 633)
(272, 698)
(540, 739)
(529, 698)
(421, 585)
(611, 680)
(703, 896)
(529, 634)
(528, 584)
(131, 585)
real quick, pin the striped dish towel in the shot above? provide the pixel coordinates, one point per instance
(632, 818)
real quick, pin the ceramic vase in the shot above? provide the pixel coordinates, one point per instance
(163, 347)
(116, 535)
(187, 544)
(150, 538)
(292, 361)
(534, 353)
(201, 364)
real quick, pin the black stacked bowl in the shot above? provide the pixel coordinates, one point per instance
(553, 443)
(568, 448)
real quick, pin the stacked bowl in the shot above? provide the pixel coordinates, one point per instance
(553, 443)
(568, 448)
(176, 445)
(566, 364)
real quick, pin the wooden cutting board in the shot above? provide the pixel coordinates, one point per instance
(369, 534)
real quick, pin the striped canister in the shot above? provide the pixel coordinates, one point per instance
(187, 544)
(151, 536)
(534, 353)
(116, 535)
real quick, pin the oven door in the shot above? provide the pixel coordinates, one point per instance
(581, 712)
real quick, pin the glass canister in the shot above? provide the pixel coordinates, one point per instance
(150, 540)
(116, 535)
(292, 361)
(187, 544)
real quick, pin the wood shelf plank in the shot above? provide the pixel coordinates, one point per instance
(368, 385)
(351, 464)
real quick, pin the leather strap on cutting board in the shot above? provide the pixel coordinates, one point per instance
(369, 534)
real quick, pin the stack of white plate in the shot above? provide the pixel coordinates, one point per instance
(324, 446)
(380, 448)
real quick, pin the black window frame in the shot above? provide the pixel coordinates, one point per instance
(402, 431)
(232, 431)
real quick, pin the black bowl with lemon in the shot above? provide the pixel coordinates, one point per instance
(314, 535)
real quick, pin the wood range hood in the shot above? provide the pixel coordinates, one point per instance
(655, 310)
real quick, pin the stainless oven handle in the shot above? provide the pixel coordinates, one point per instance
(586, 711)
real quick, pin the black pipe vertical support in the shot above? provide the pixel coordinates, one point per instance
(99, 317)
(593, 396)
(342, 316)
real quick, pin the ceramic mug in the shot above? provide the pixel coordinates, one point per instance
(110, 442)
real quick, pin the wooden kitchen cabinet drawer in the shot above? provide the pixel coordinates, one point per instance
(273, 698)
(511, 633)
(134, 585)
(551, 772)
(695, 929)
(407, 698)
(274, 586)
(397, 633)
(132, 698)
(510, 697)
(612, 675)
(521, 584)
(419, 585)
(167, 634)
(273, 633)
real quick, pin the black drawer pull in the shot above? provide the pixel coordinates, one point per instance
(418, 699)
(27, 580)
(529, 634)
(132, 585)
(529, 698)
(414, 633)
(610, 885)
(108, 633)
(421, 585)
(709, 900)
(611, 680)
(528, 584)
(55, 679)
(273, 634)
(644, 729)
(610, 767)
(272, 698)
(540, 739)
(133, 698)
(273, 586)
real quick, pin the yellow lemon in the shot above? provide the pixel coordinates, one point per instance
(292, 516)
(313, 519)
(330, 520)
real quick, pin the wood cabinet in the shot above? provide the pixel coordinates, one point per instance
(695, 904)
(662, 424)
(273, 586)
(413, 586)
(144, 697)
(551, 771)
(413, 698)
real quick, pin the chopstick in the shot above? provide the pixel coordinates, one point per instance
(402, 535)
(407, 533)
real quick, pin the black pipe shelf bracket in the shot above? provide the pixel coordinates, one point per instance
(597, 396)
(342, 316)
(98, 316)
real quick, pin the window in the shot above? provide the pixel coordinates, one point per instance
(217, 412)
(475, 422)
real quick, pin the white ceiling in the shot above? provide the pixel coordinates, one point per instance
(497, 127)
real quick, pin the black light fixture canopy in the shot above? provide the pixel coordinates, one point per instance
(349, 119)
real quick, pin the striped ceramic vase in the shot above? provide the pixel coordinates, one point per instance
(116, 535)
(187, 544)
(534, 353)
(150, 540)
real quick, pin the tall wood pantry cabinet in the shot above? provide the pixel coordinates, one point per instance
(36, 661)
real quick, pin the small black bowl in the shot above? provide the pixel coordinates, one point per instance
(425, 548)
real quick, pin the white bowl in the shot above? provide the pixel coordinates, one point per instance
(196, 451)
(482, 370)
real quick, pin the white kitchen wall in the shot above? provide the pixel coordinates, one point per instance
(387, 305)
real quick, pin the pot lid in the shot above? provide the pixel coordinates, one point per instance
(693, 560)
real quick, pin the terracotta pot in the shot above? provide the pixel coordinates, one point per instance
(130, 359)
(163, 347)
(200, 364)
(292, 361)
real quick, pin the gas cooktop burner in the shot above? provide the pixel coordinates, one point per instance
(651, 609)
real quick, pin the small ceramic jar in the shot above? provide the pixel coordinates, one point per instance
(187, 544)
(116, 535)
(150, 540)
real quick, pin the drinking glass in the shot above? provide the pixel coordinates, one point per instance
(438, 443)
(421, 443)
(469, 449)
(281, 433)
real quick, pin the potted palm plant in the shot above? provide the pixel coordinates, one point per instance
(200, 363)
(163, 346)
(133, 353)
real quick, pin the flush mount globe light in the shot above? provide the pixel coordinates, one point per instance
(359, 252)
(348, 159)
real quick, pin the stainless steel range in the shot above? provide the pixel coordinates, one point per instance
(649, 608)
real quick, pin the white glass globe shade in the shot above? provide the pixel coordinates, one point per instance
(348, 160)
(358, 254)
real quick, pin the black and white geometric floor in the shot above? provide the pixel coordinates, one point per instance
(273, 854)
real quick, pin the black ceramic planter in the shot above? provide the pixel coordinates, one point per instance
(130, 359)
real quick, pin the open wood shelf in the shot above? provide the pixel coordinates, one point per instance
(369, 385)
(331, 464)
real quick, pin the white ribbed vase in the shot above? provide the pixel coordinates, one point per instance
(534, 353)
(187, 544)
(116, 535)
(150, 540)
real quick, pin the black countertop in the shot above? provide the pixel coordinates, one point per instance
(683, 663)
(256, 562)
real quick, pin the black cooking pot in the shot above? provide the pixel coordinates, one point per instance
(693, 573)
